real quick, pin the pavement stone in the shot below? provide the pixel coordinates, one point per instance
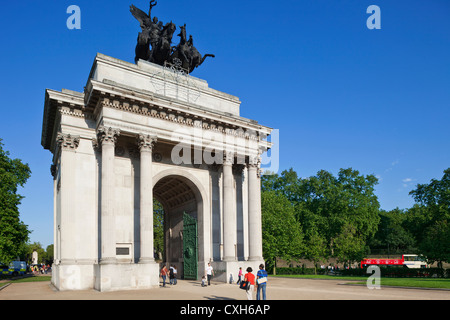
(277, 289)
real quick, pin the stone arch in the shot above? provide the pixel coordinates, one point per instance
(180, 191)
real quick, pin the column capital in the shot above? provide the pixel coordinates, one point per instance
(67, 141)
(228, 158)
(107, 134)
(254, 162)
(146, 142)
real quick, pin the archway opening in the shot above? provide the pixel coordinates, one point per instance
(174, 196)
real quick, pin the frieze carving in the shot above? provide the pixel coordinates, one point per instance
(184, 119)
(146, 142)
(157, 157)
(133, 152)
(107, 135)
(67, 141)
(119, 151)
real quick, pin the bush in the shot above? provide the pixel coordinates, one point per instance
(388, 272)
(299, 270)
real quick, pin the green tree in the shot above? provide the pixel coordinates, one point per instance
(316, 246)
(433, 202)
(393, 235)
(281, 232)
(36, 246)
(49, 253)
(158, 226)
(349, 245)
(343, 209)
(14, 233)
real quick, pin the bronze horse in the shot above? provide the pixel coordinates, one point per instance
(187, 53)
(159, 38)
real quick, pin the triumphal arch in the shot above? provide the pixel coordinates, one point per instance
(143, 131)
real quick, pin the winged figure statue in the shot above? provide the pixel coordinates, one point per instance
(154, 42)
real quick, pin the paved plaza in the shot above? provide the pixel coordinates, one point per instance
(278, 289)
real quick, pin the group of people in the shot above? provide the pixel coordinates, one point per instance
(172, 273)
(256, 283)
(40, 268)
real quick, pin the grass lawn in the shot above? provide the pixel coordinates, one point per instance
(398, 282)
(28, 279)
(434, 283)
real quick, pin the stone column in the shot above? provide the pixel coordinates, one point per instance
(229, 210)
(64, 229)
(146, 143)
(254, 210)
(107, 138)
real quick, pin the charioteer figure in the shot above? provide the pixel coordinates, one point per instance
(159, 38)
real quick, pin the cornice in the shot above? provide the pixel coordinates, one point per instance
(180, 117)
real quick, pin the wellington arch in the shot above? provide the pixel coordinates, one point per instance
(140, 132)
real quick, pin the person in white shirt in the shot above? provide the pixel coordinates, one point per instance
(209, 273)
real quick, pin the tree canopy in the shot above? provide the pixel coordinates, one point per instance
(340, 217)
(14, 233)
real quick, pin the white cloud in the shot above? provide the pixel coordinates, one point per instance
(393, 164)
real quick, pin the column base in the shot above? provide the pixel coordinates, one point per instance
(256, 259)
(126, 276)
(229, 259)
(146, 260)
(108, 261)
(223, 270)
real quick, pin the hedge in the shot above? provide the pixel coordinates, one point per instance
(394, 272)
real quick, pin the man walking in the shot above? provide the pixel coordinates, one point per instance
(261, 281)
(209, 273)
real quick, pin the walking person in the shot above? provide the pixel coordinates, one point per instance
(261, 282)
(164, 275)
(175, 271)
(209, 273)
(171, 275)
(250, 277)
(240, 275)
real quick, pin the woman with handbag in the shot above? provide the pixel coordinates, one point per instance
(250, 278)
(261, 282)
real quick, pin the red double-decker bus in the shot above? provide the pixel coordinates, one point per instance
(407, 260)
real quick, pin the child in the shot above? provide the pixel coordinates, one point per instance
(203, 281)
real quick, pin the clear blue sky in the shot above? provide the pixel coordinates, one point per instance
(341, 95)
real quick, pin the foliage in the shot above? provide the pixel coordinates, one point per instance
(344, 209)
(281, 232)
(158, 226)
(433, 204)
(393, 233)
(338, 214)
(44, 255)
(400, 272)
(299, 271)
(13, 232)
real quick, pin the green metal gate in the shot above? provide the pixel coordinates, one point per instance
(190, 251)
